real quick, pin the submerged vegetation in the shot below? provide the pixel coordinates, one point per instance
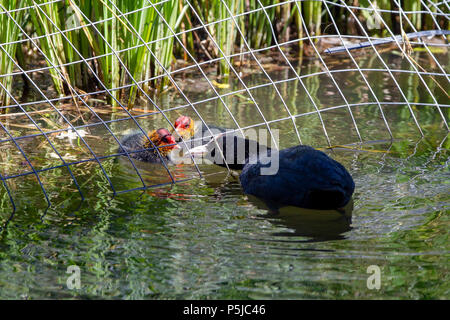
(127, 47)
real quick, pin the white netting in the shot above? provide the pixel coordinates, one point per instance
(112, 66)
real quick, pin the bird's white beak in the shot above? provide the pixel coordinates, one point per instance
(203, 150)
(198, 152)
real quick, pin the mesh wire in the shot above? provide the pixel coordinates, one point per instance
(31, 113)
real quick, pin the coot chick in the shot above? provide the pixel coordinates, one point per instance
(139, 147)
(299, 176)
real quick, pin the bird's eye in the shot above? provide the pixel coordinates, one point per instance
(186, 125)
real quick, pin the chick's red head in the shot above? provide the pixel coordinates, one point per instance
(161, 138)
(184, 127)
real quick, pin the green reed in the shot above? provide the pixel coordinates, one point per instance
(259, 32)
(138, 46)
(225, 31)
(312, 11)
(46, 19)
(416, 18)
(9, 33)
(103, 39)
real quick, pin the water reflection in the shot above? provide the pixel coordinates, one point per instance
(320, 225)
(204, 239)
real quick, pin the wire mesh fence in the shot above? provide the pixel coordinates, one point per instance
(72, 68)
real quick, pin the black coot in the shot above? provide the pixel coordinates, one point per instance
(299, 176)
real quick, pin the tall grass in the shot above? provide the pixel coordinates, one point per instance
(9, 33)
(416, 18)
(44, 19)
(143, 30)
(134, 39)
(163, 49)
(259, 31)
(102, 39)
(225, 31)
(312, 11)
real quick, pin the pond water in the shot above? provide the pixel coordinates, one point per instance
(204, 239)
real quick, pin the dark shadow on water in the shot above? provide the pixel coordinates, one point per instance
(319, 225)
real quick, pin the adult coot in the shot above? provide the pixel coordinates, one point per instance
(299, 176)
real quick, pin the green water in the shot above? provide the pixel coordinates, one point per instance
(203, 239)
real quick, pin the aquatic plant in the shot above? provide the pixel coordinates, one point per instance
(127, 47)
